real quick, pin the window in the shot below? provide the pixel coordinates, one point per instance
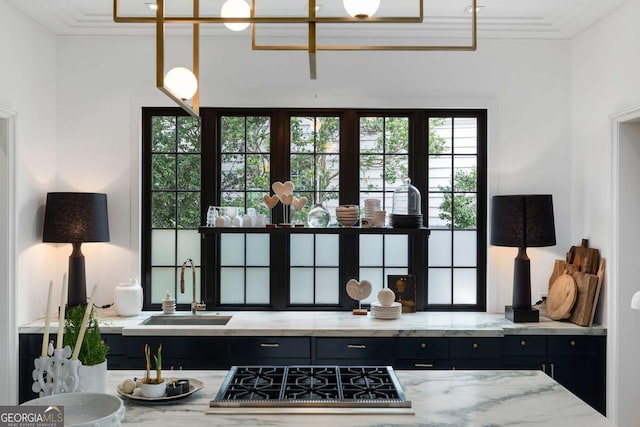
(171, 176)
(333, 157)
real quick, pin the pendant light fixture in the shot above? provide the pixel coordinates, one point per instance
(182, 82)
(238, 15)
(236, 9)
(361, 9)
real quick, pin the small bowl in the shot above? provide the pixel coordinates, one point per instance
(153, 390)
(184, 383)
(174, 389)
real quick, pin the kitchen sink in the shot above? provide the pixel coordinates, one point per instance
(187, 320)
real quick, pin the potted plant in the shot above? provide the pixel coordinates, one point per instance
(93, 350)
(153, 387)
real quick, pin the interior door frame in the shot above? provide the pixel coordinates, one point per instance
(8, 325)
(614, 340)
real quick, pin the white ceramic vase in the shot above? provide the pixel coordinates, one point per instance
(93, 378)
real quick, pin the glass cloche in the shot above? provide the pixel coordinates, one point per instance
(407, 206)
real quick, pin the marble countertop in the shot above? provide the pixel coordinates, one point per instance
(439, 398)
(336, 324)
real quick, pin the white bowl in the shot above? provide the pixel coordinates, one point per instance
(153, 390)
(85, 409)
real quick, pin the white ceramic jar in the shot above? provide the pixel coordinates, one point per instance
(128, 298)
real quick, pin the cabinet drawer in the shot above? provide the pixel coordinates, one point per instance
(215, 348)
(422, 364)
(270, 347)
(422, 348)
(474, 348)
(524, 345)
(355, 348)
(573, 345)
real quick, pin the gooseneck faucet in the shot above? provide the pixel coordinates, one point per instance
(194, 304)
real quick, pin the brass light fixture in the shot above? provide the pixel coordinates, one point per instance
(236, 16)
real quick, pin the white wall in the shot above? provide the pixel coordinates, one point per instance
(525, 84)
(28, 87)
(605, 81)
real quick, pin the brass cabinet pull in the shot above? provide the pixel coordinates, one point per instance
(423, 365)
(572, 343)
(523, 343)
(475, 345)
(356, 346)
(274, 345)
(423, 345)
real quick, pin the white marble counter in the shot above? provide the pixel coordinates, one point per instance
(439, 398)
(336, 324)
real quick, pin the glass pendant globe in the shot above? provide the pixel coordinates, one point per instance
(361, 8)
(235, 9)
(181, 82)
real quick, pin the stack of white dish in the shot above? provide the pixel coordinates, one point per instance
(347, 215)
(370, 207)
(380, 311)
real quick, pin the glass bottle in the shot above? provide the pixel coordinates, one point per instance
(318, 216)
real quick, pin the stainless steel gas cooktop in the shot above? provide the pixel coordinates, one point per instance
(311, 387)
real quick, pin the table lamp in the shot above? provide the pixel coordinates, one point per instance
(522, 221)
(76, 218)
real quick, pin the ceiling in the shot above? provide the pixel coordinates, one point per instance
(548, 19)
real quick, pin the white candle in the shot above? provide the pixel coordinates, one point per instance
(45, 336)
(63, 303)
(85, 324)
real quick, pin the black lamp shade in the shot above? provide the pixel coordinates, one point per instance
(76, 217)
(523, 221)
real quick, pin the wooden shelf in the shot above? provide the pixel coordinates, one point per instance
(308, 230)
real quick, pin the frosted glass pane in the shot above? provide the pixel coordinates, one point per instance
(377, 279)
(439, 286)
(163, 250)
(464, 286)
(258, 249)
(188, 246)
(301, 290)
(258, 285)
(440, 248)
(162, 280)
(371, 250)
(186, 298)
(232, 249)
(232, 285)
(395, 251)
(327, 250)
(302, 249)
(464, 248)
(327, 286)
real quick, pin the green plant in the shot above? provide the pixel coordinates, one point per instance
(158, 360)
(93, 349)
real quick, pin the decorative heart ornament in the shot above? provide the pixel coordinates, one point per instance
(298, 204)
(358, 290)
(282, 188)
(286, 199)
(270, 201)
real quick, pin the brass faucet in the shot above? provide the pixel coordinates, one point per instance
(195, 306)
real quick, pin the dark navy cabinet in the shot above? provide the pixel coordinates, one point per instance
(578, 362)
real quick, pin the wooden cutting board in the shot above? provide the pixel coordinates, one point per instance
(586, 286)
(585, 258)
(561, 297)
(559, 267)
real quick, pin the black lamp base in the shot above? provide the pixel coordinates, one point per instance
(518, 315)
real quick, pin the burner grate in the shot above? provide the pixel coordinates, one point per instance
(311, 386)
